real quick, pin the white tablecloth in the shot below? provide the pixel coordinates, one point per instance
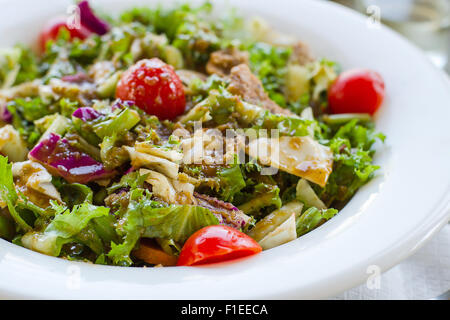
(424, 275)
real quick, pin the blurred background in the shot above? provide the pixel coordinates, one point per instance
(426, 23)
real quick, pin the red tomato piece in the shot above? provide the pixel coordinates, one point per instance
(216, 244)
(356, 91)
(155, 88)
(52, 28)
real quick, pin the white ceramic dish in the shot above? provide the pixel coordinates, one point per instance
(385, 222)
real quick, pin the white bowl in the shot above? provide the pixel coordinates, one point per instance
(386, 221)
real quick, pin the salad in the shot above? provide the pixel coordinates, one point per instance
(169, 136)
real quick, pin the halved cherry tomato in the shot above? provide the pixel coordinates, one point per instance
(155, 88)
(356, 91)
(216, 244)
(53, 26)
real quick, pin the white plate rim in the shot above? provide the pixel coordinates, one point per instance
(55, 278)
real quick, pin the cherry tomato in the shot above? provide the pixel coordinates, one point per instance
(216, 244)
(356, 91)
(155, 88)
(52, 28)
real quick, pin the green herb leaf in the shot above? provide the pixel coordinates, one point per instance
(312, 218)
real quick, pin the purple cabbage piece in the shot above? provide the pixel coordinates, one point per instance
(89, 20)
(86, 114)
(62, 159)
(226, 212)
(5, 115)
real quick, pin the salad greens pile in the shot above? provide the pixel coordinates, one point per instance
(85, 176)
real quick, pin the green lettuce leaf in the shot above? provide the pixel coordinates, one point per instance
(67, 226)
(147, 218)
(131, 180)
(8, 194)
(104, 226)
(108, 132)
(68, 223)
(117, 123)
(24, 112)
(131, 228)
(231, 181)
(269, 63)
(312, 218)
(286, 126)
(7, 228)
(17, 65)
(176, 222)
(188, 31)
(351, 144)
(75, 194)
(264, 195)
(221, 106)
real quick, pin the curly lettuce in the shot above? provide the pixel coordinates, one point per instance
(67, 226)
(17, 65)
(8, 194)
(313, 218)
(353, 166)
(269, 63)
(144, 217)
